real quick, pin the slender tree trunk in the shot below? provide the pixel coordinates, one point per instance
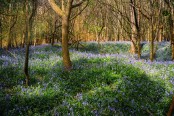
(28, 36)
(172, 34)
(171, 109)
(172, 40)
(160, 35)
(52, 42)
(135, 24)
(172, 50)
(23, 40)
(138, 28)
(152, 44)
(26, 72)
(139, 45)
(9, 29)
(0, 34)
(54, 30)
(27, 45)
(15, 40)
(133, 31)
(35, 32)
(118, 35)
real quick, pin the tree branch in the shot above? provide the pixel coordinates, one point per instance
(78, 4)
(80, 11)
(55, 7)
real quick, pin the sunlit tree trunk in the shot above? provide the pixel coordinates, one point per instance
(133, 31)
(135, 23)
(152, 21)
(65, 51)
(152, 43)
(65, 32)
(65, 13)
(160, 34)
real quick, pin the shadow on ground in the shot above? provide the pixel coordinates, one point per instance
(107, 89)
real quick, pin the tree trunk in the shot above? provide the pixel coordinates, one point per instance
(9, 29)
(0, 33)
(135, 24)
(23, 40)
(65, 50)
(26, 61)
(133, 48)
(172, 50)
(27, 45)
(52, 39)
(29, 35)
(54, 31)
(65, 13)
(139, 45)
(152, 45)
(172, 41)
(172, 36)
(171, 109)
(160, 35)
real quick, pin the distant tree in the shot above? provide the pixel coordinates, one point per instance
(12, 23)
(135, 27)
(170, 5)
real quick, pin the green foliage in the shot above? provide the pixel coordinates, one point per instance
(4, 3)
(105, 85)
(165, 13)
(163, 51)
(106, 47)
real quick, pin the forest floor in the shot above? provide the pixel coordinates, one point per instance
(104, 81)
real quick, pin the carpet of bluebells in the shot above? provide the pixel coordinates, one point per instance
(105, 80)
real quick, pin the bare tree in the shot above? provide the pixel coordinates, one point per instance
(28, 35)
(65, 13)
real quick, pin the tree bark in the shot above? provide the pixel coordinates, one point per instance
(65, 31)
(27, 45)
(171, 109)
(152, 44)
(135, 24)
(65, 13)
(171, 33)
(28, 36)
(0, 32)
(65, 50)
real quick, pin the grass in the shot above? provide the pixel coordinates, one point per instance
(102, 82)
